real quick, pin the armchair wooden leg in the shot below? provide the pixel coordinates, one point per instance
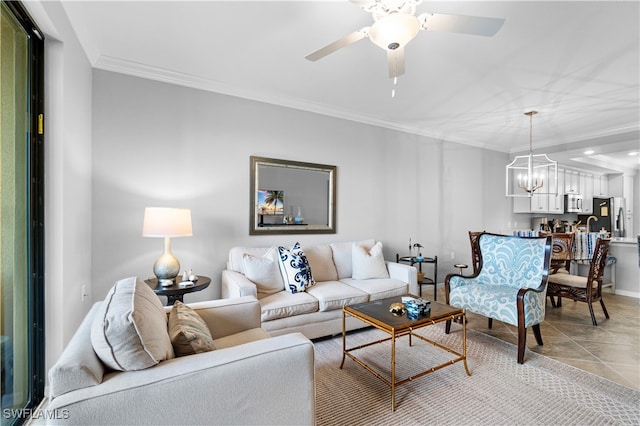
(537, 334)
(447, 326)
(522, 343)
(490, 323)
(606, 314)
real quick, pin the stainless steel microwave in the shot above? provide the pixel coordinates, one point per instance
(573, 203)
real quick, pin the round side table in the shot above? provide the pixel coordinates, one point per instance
(175, 292)
(461, 266)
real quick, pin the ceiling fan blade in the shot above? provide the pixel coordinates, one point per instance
(475, 25)
(396, 62)
(338, 44)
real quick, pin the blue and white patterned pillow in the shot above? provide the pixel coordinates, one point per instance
(295, 269)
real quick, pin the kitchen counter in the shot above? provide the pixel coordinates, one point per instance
(627, 265)
(625, 272)
(625, 240)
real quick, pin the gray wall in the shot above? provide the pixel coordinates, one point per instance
(156, 144)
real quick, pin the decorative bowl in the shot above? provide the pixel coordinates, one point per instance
(397, 309)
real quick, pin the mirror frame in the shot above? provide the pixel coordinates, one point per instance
(254, 229)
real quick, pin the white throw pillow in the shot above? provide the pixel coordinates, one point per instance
(342, 256)
(367, 263)
(295, 269)
(264, 272)
(129, 331)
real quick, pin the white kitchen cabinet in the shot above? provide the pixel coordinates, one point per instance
(571, 182)
(627, 193)
(600, 186)
(586, 189)
(521, 205)
(540, 203)
(556, 202)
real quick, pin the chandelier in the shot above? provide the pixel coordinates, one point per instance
(525, 175)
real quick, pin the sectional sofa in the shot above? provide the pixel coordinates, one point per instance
(342, 273)
(126, 364)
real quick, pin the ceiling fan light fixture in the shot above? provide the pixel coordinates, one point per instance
(394, 31)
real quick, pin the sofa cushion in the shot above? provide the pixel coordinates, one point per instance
(285, 304)
(368, 263)
(264, 272)
(499, 302)
(321, 262)
(295, 269)
(335, 294)
(342, 256)
(241, 338)
(236, 253)
(78, 366)
(129, 331)
(188, 332)
(379, 288)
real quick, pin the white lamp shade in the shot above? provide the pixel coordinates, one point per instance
(166, 222)
(396, 29)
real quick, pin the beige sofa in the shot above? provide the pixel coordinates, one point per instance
(339, 281)
(250, 378)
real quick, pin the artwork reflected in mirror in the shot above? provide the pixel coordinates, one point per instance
(309, 204)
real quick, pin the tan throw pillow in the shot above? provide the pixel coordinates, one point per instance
(188, 332)
(264, 272)
(368, 264)
(320, 260)
(129, 331)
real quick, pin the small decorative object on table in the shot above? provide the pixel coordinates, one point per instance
(299, 218)
(419, 257)
(397, 309)
(417, 307)
(188, 279)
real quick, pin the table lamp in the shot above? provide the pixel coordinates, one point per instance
(162, 222)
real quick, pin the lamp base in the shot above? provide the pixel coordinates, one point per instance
(166, 268)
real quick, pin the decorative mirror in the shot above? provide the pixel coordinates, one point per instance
(292, 197)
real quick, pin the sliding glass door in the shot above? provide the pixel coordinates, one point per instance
(21, 214)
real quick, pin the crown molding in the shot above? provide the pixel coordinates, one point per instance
(118, 65)
(122, 66)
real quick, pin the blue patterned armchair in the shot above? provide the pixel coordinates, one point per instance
(510, 285)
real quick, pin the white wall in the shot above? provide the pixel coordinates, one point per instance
(156, 144)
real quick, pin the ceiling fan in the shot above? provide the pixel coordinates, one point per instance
(395, 25)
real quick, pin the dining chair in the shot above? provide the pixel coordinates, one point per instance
(582, 288)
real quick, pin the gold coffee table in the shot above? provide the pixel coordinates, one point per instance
(377, 314)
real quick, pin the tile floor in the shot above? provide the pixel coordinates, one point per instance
(610, 350)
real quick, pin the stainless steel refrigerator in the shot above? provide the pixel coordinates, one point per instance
(619, 227)
(610, 215)
(602, 210)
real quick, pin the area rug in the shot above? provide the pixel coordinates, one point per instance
(499, 391)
